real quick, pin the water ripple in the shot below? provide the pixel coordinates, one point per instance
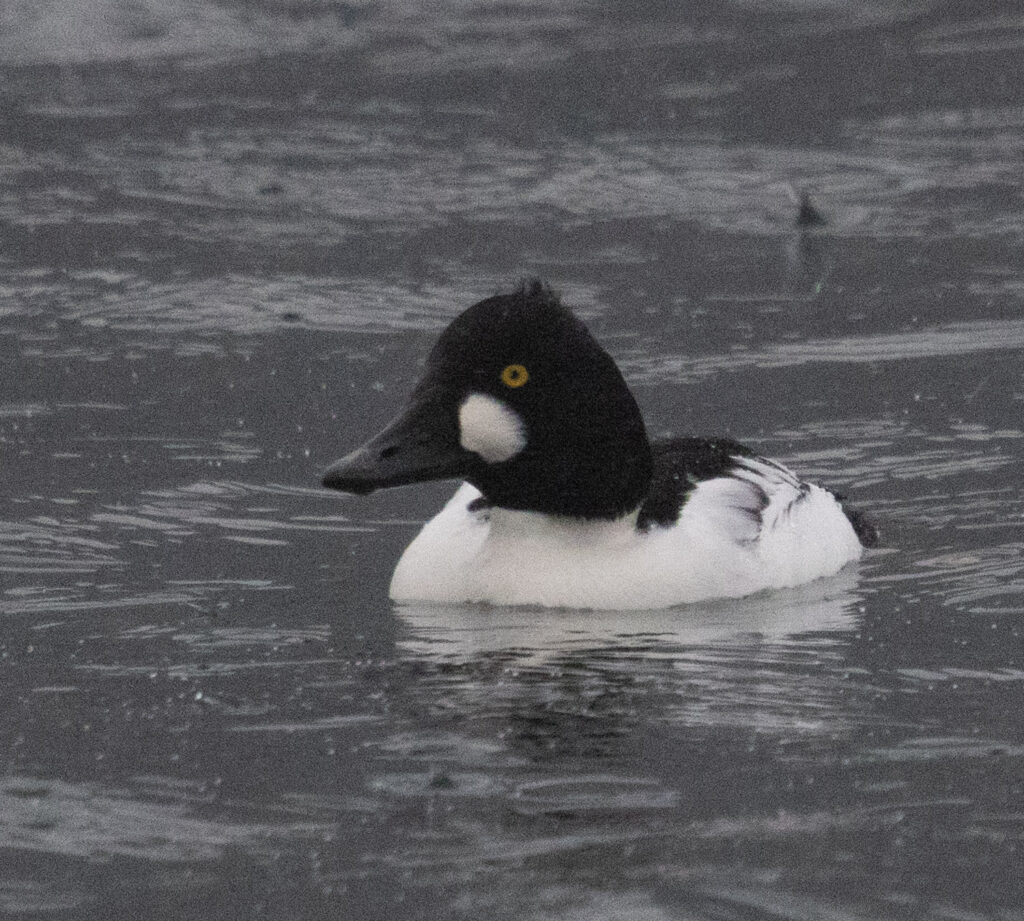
(967, 338)
(93, 822)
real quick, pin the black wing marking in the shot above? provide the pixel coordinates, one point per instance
(679, 464)
(480, 508)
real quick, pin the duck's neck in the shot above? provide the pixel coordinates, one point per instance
(596, 478)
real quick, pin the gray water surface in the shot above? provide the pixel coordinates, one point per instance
(230, 232)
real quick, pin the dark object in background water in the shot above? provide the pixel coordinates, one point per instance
(808, 215)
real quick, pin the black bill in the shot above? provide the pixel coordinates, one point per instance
(417, 446)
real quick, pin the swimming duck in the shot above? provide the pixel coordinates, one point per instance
(566, 502)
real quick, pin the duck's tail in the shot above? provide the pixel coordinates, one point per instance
(863, 527)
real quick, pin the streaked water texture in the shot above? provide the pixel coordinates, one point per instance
(229, 232)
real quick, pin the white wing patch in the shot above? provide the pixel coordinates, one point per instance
(777, 490)
(728, 507)
(796, 530)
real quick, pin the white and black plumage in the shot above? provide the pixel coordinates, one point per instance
(566, 502)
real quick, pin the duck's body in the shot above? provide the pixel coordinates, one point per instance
(567, 504)
(755, 527)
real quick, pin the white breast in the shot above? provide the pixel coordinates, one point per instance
(727, 543)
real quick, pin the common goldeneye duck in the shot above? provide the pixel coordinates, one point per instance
(566, 503)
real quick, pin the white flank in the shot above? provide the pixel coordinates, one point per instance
(726, 544)
(490, 428)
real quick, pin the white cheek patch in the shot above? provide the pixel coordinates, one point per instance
(490, 428)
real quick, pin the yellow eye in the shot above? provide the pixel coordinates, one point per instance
(514, 376)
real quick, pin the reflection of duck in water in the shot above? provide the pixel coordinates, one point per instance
(712, 630)
(566, 503)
